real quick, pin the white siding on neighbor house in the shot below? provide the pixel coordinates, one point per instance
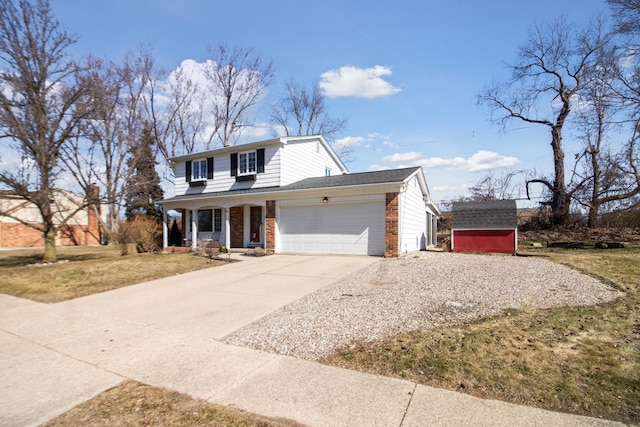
(222, 179)
(306, 159)
(413, 218)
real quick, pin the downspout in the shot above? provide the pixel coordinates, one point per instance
(403, 190)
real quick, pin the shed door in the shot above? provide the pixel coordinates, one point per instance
(353, 229)
(484, 241)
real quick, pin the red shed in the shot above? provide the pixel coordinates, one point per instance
(484, 226)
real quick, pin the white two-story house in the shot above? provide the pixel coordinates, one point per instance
(294, 195)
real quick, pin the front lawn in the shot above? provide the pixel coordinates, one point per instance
(86, 270)
(583, 360)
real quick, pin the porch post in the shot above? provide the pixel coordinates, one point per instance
(165, 229)
(194, 229)
(227, 228)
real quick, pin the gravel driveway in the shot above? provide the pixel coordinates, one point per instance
(418, 291)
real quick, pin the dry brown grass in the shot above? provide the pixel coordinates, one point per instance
(583, 360)
(87, 270)
(135, 404)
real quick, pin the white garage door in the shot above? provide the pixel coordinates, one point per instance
(356, 229)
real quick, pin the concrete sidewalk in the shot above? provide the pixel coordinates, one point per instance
(164, 333)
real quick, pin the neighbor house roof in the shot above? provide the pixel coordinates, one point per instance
(495, 214)
(392, 176)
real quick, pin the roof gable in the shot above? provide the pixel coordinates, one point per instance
(495, 214)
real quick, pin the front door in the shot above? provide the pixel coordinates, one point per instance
(256, 224)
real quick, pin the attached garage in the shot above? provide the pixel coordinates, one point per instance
(333, 228)
(484, 226)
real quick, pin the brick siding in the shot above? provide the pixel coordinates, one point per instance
(17, 235)
(391, 226)
(270, 230)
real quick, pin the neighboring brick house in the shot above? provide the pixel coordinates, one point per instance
(294, 195)
(484, 226)
(83, 228)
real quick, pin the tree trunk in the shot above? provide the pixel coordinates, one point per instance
(560, 200)
(50, 253)
(594, 206)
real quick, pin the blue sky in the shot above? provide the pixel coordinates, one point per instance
(405, 74)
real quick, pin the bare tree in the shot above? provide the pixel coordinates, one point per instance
(304, 112)
(238, 79)
(546, 77)
(39, 106)
(627, 15)
(610, 171)
(100, 154)
(177, 109)
(500, 187)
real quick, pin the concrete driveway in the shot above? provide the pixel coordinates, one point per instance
(217, 301)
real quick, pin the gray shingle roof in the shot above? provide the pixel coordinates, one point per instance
(390, 176)
(362, 178)
(496, 214)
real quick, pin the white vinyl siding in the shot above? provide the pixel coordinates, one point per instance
(306, 159)
(333, 228)
(222, 179)
(413, 221)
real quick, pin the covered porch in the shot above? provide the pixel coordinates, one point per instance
(228, 226)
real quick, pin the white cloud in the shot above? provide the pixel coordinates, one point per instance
(390, 144)
(448, 188)
(375, 167)
(403, 157)
(480, 161)
(347, 142)
(359, 82)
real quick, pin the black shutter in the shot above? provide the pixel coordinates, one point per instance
(234, 164)
(209, 167)
(187, 174)
(260, 160)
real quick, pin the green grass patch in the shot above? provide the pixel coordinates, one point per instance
(87, 270)
(583, 360)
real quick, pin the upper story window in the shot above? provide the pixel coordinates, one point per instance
(327, 172)
(199, 170)
(247, 163)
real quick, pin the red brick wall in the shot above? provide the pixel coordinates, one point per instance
(236, 223)
(20, 236)
(14, 235)
(270, 246)
(391, 228)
